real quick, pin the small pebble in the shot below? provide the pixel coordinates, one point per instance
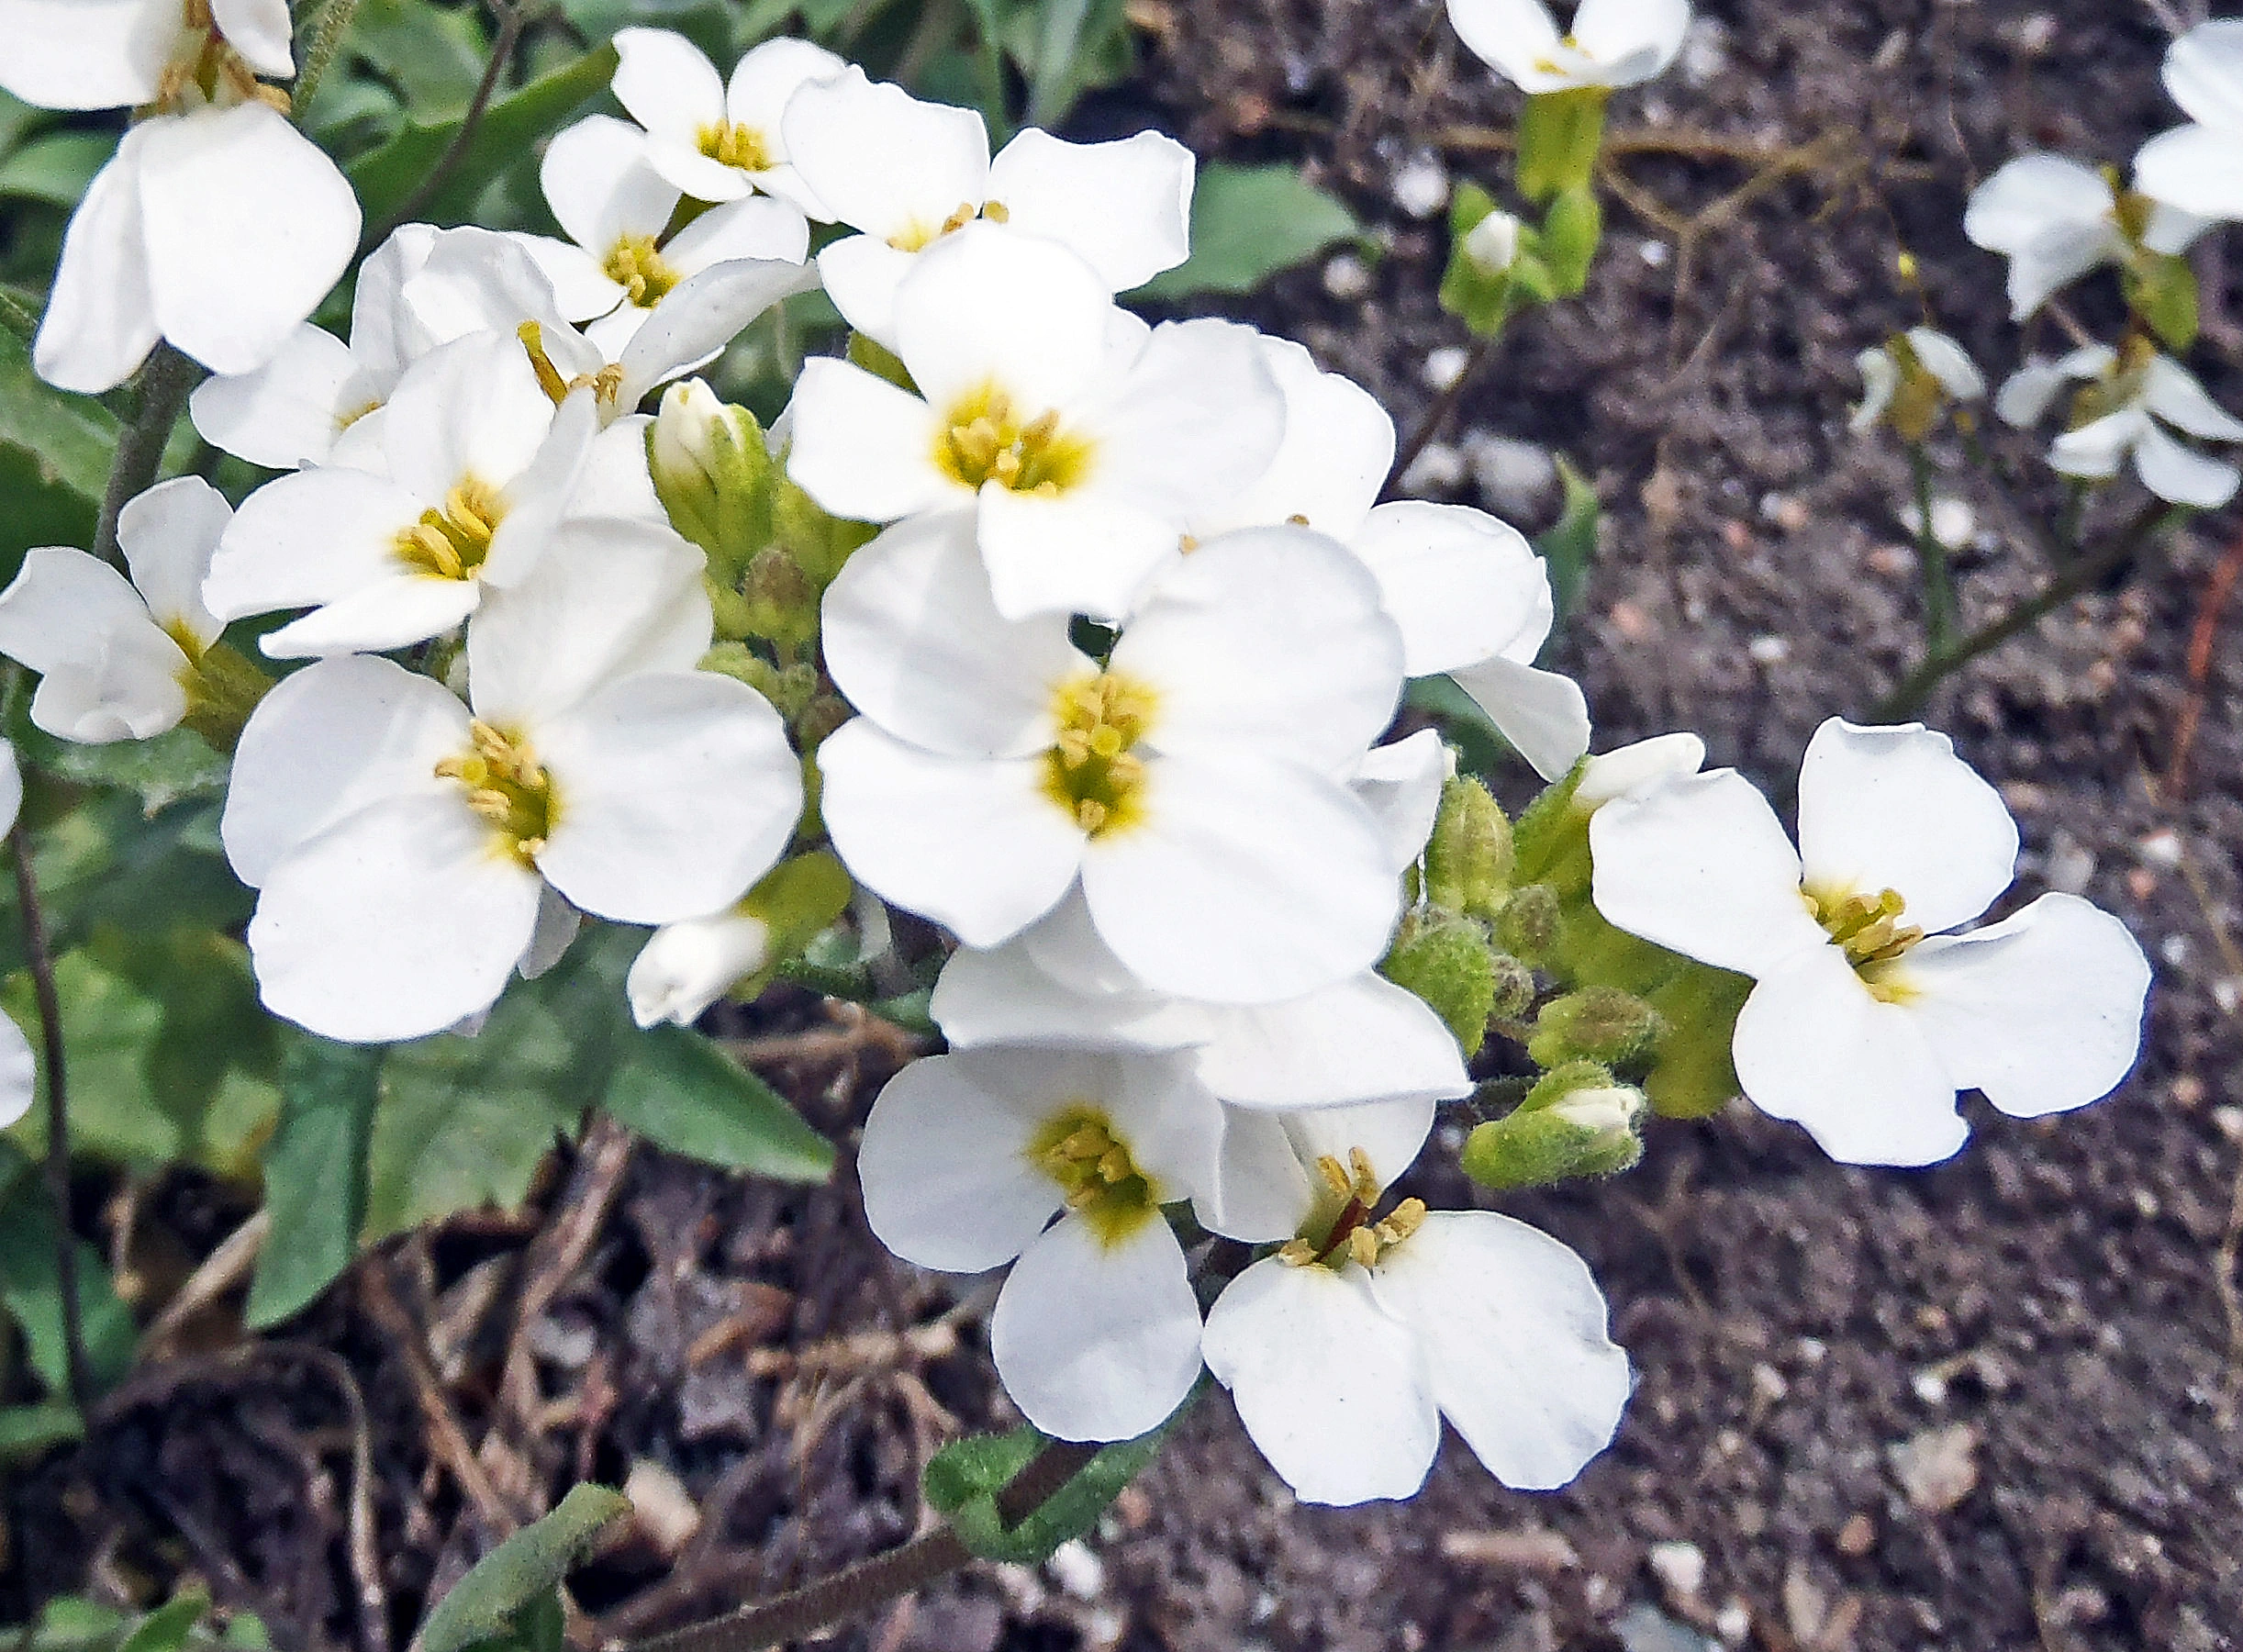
(1938, 1467)
(1514, 477)
(1655, 254)
(1421, 187)
(1858, 1536)
(1076, 1569)
(1679, 1567)
(2227, 993)
(2174, 950)
(2036, 34)
(662, 1507)
(2160, 848)
(2070, 864)
(1706, 51)
(1930, 1387)
(1953, 522)
(1444, 366)
(1347, 277)
(1781, 511)
(1768, 650)
(1437, 469)
(1732, 1622)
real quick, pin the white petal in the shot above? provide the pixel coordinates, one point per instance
(1125, 206)
(673, 792)
(384, 613)
(974, 845)
(168, 535)
(2096, 450)
(538, 495)
(1093, 1341)
(1066, 945)
(471, 409)
(861, 274)
(1260, 1193)
(766, 80)
(912, 637)
(11, 789)
(18, 1072)
(558, 926)
(599, 185)
(1881, 380)
(697, 176)
(2041, 1011)
(688, 966)
(1949, 363)
(2196, 168)
(1333, 1392)
(608, 599)
(1400, 784)
(701, 316)
(329, 741)
(1895, 808)
(1541, 713)
(259, 30)
(2178, 474)
(1194, 419)
(248, 225)
(1246, 881)
(85, 54)
(397, 921)
(1635, 767)
(2169, 229)
(581, 288)
(482, 281)
(862, 448)
(1637, 38)
(1513, 1329)
(2027, 394)
(1389, 1133)
(757, 228)
(1813, 1046)
(1511, 36)
(986, 306)
(1001, 995)
(2027, 196)
(944, 1159)
(100, 322)
(108, 671)
(615, 481)
(1463, 586)
(1362, 1039)
(1338, 446)
(2173, 393)
(1700, 865)
(2204, 71)
(881, 161)
(289, 411)
(310, 538)
(1270, 639)
(1085, 550)
(665, 83)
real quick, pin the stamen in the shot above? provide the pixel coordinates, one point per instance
(637, 266)
(1090, 770)
(1098, 1176)
(506, 786)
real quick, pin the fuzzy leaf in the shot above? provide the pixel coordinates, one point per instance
(1249, 222)
(315, 1173)
(516, 1579)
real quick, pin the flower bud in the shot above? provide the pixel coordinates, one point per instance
(1492, 244)
(1468, 859)
(688, 966)
(1596, 1023)
(1445, 961)
(707, 459)
(1587, 1128)
(1527, 926)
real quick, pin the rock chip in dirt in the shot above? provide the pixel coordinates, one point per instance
(1938, 1467)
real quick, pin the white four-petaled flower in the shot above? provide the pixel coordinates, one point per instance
(2134, 398)
(718, 140)
(1610, 43)
(2056, 219)
(2198, 168)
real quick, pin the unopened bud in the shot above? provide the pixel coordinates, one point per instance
(1596, 1023)
(687, 966)
(1492, 244)
(1590, 1130)
(223, 688)
(1468, 857)
(1514, 987)
(708, 461)
(1527, 926)
(1632, 767)
(1446, 962)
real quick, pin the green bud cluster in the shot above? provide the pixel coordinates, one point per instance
(1444, 951)
(1577, 1120)
(223, 687)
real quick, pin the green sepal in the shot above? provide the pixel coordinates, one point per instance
(2160, 287)
(507, 1601)
(1693, 1074)
(1560, 135)
(1445, 961)
(223, 688)
(879, 360)
(1468, 856)
(964, 1480)
(1543, 1140)
(1571, 231)
(1596, 1023)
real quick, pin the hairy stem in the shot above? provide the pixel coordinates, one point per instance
(36, 949)
(513, 19)
(857, 1589)
(1438, 414)
(326, 40)
(1912, 690)
(164, 382)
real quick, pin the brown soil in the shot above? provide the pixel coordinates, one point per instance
(2048, 1320)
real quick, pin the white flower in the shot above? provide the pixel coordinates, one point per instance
(1866, 1019)
(1638, 767)
(1359, 1039)
(616, 210)
(1611, 42)
(115, 657)
(688, 966)
(1195, 786)
(478, 465)
(402, 844)
(2134, 398)
(19, 1068)
(1931, 358)
(715, 140)
(218, 229)
(1083, 441)
(2056, 219)
(968, 1157)
(2198, 168)
(1345, 1350)
(1470, 595)
(908, 173)
(106, 54)
(320, 398)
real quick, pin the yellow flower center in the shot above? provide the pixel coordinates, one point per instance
(1090, 771)
(507, 787)
(1869, 931)
(741, 146)
(636, 265)
(1350, 1234)
(917, 237)
(202, 59)
(986, 438)
(1099, 1179)
(451, 542)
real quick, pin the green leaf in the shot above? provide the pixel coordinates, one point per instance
(432, 55)
(166, 1628)
(28, 1284)
(54, 459)
(387, 178)
(519, 1577)
(681, 1092)
(1480, 748)
(1249, 222)
(56, 168)
(964, 1478)
(1567, 548)
(315, 1173)
(162, 771)
(27, 1430)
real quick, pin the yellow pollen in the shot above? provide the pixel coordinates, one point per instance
(1868, 928)
(636, 265)
(986, 438)
(507, 787)
(741, 146)
(451, 542)
(1097, 1176)
(1090, 770)
(917, 237)
(1335, 1176)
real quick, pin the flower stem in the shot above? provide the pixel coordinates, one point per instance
(326, 40)
(36, 948)
(856, 1589)
(164, 382)
(513, 17)
(1437, 414)
(1931, 560)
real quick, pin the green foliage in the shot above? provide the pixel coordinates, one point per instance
(1571, 231)
(432, 55)
(676, 1087)
(315, 1169)
(2160, 287)
(184, 1623)
(508, 1600)
(964, 1480)
(32, 1294)
(1576, 1122)
(1567, 548)
(1560, 135)
(162, 771)
(54, 459)
(388, 177)
(56, 168)
(1249, 222)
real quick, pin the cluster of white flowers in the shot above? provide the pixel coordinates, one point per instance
(1103, 695)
